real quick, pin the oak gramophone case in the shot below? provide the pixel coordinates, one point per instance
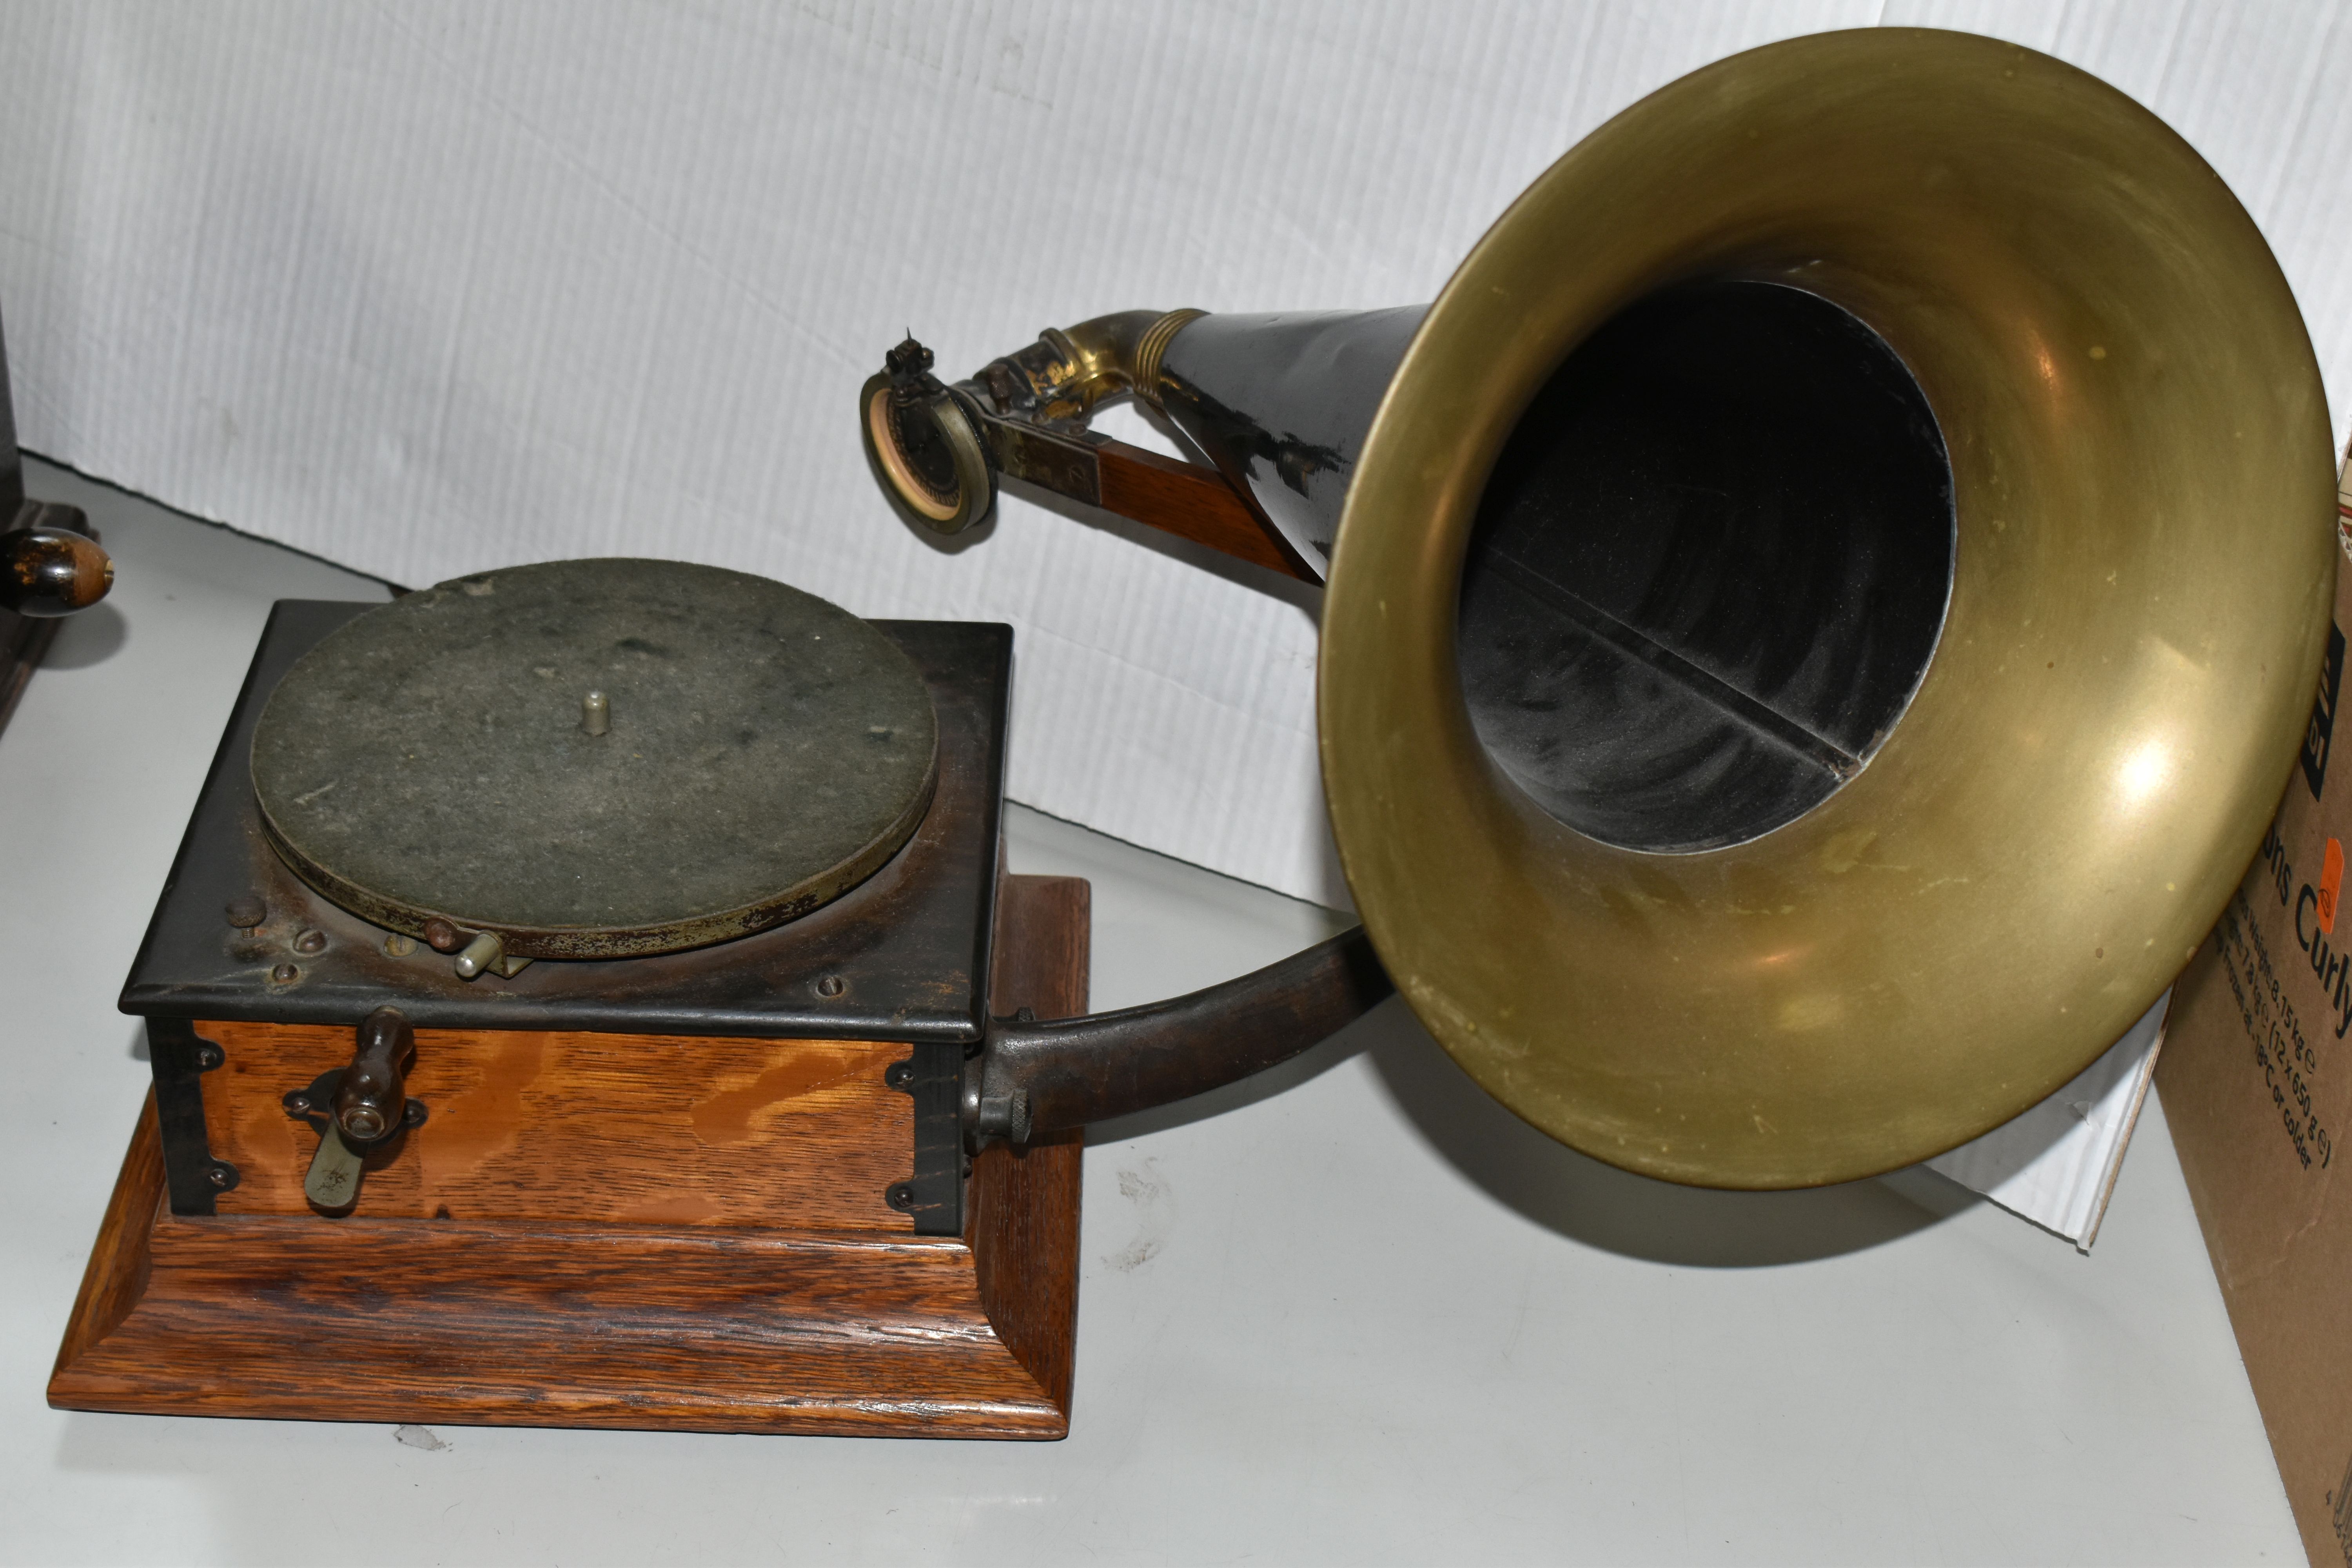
(672, 1181)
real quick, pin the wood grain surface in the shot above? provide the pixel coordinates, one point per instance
(1191, 503)
(708, 1325)
(1023, 1205)
(116, 1275)
(630, 1128)
(561, 1326)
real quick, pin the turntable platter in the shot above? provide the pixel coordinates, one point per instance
(437, 760)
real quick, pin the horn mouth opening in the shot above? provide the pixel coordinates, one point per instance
(1708, 570)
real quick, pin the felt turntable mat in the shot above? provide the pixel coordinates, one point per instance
(766, 751)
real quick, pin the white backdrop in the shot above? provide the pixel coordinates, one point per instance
(433, 288)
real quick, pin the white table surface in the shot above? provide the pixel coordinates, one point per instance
(1357, 1314)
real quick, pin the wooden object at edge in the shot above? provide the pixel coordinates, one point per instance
(551, 1323)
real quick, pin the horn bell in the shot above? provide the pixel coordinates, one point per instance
(2141, 566)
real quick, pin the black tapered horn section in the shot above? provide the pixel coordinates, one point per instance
(1281, 403)
(1037, 1078)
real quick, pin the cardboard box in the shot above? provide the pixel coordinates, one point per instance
(2257, 1077)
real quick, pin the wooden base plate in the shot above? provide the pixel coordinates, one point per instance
(545, 1323)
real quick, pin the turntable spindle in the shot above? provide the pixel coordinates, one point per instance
(595, 713)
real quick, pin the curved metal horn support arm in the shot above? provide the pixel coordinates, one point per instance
(1036, 1078)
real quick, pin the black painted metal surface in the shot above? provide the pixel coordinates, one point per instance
(1045, 1077)
(179, 1059)
(933, 1195)
(903, 956)
(1281, 405)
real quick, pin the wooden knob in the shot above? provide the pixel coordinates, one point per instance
(48, 571)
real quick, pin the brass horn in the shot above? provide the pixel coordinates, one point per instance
(1819, 610)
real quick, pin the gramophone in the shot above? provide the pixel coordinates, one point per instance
(1817, 615)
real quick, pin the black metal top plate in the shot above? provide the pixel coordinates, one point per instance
(909, 947)
(759, 751)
